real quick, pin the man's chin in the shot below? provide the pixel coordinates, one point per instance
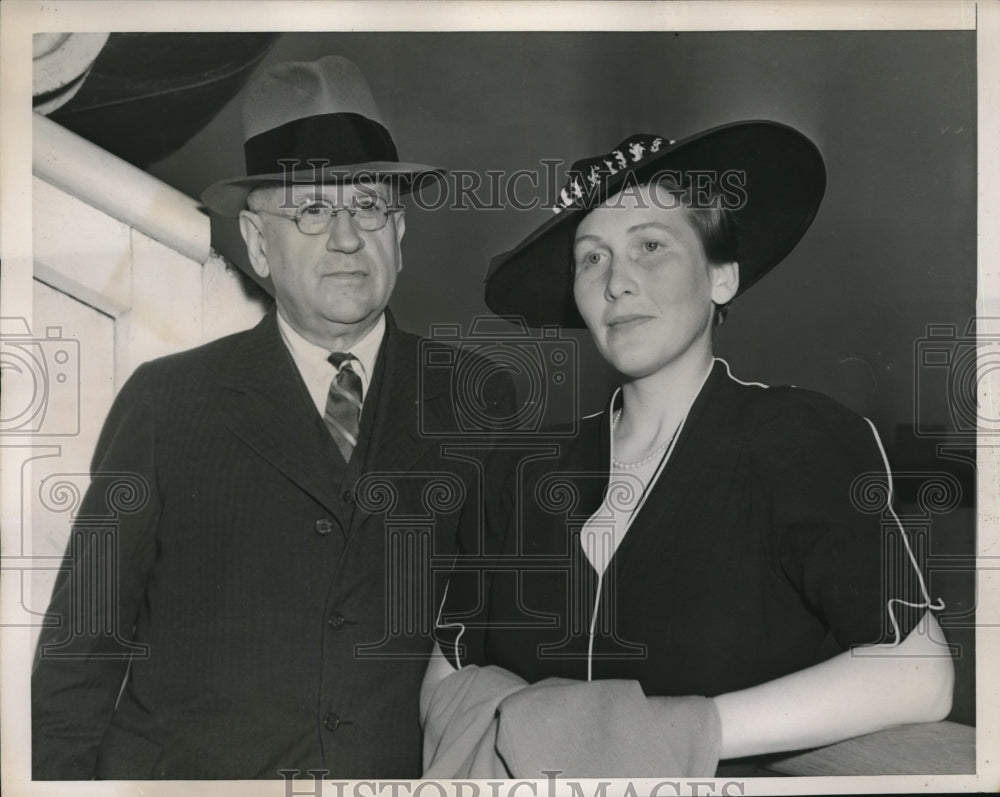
(352, 317)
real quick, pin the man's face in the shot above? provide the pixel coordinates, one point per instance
(331, 285)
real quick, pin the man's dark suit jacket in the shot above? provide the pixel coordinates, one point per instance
(272, 608)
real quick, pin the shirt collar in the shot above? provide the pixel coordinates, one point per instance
(312, 358)
(366, 350)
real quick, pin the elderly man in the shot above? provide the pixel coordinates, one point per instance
(267, 616)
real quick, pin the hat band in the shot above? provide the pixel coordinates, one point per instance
(332, 139)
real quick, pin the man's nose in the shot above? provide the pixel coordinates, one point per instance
(343, 235)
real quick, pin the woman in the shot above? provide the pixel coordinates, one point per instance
(717, 557)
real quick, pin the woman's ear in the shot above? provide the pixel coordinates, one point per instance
(725, 282)
(251, 228)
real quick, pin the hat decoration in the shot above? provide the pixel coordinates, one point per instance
(588, 177)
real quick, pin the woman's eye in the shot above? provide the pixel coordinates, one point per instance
(651, 246)
(590, 259)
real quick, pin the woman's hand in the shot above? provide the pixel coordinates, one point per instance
(857, 692)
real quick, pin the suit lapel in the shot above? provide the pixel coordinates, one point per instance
(268, 407)
(396, 440)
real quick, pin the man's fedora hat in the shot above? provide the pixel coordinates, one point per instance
(771, 178)
(313, 122)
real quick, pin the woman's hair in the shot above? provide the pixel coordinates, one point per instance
(712, 220)
(714, 223)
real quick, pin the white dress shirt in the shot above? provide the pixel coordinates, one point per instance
(316, 370)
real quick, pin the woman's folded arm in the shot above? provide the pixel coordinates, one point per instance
(856, 692)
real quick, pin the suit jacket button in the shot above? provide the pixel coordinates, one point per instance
(331, 722)
(336, 620)
(324, 526)
(348, 496)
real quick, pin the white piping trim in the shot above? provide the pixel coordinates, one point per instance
(593, 625)
(600, 576)
(642, 499)
(439, 624)
(729, 373)
(927, 602)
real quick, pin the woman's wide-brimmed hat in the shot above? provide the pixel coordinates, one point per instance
(313, 122)
(769, 175)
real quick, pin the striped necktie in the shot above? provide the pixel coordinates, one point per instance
(343, 404)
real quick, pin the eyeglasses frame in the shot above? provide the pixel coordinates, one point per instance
(334, 210)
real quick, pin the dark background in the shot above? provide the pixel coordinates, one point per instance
(892, 251)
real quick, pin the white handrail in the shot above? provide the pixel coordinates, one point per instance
(108, 183)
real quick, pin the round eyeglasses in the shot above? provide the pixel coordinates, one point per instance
(368, 213)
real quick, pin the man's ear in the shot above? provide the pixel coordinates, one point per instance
(725, 282)
(400, 229)
(252, 230)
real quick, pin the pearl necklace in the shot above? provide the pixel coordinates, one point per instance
(645, 460)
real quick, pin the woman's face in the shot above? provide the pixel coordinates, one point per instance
(643, 284)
